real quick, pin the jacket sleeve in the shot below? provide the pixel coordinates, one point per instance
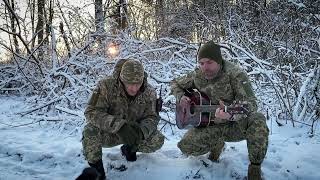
(96, 112)
(243, 90)
(180, 83)
(149, 122)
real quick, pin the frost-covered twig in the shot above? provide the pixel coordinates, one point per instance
(39, 107)
(33, 122)
(72, 112)
(298, 112)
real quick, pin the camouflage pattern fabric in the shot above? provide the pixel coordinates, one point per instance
(109, 107)
(94, 139)
(230, 84)
(254, 172)
(198, 141)
(132, 72)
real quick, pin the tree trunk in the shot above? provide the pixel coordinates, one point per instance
(32, 5)
(123, 12)
(48, 22)
(13, 29)
(65, 38)
(160, 17)
(40, 26)
(99, 18)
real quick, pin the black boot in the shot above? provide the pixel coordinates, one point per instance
(126, 151)
(99, 167)
(89, 173)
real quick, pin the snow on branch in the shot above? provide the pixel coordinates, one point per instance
(298, 113)
(67, 82)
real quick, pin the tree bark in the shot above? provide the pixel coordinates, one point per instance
(48, 21)
(123, 12)
(160, 16)
(32, 5)
(65, 38)
(40, 26)
(99, 17)
(13, 29)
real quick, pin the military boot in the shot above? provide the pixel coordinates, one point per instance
(254, 172)
(127, 151)
(215, 153)
(89, 173)
(99, 167)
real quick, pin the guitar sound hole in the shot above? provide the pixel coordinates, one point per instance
(192, 111)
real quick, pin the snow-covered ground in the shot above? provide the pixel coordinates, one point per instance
(43, 151)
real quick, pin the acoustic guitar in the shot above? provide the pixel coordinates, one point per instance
(199, 112)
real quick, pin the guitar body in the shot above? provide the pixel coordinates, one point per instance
(200, 111)
(186, 115)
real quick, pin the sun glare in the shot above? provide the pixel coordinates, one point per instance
(113, 49)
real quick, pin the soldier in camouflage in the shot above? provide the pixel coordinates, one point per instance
(222, 80)
(121, 110)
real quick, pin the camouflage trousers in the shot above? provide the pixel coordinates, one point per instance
(198, 141)
(94, 139)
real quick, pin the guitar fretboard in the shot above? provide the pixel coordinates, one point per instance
(204, 108)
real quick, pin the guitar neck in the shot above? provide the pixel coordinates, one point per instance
(205, 108)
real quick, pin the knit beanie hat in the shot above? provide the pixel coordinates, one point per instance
(211, 51)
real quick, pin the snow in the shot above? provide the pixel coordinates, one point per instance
(302, 93)
(299, 5)
(42, 151)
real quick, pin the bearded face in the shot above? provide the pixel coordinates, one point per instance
(209, 68)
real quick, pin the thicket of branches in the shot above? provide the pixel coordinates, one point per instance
(276, 42)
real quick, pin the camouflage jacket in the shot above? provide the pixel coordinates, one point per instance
(109, 106)
(231, 84)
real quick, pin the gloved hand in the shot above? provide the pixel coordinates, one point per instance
(130, 134)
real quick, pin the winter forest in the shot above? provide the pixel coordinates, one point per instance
(53, 53)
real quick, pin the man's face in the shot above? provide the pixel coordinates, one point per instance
(132, 89)
(209, 68)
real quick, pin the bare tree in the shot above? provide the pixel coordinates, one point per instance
(160, 13)
(40, 27)
(13, 28)
(32, 5)
(122, 12)
(99, 16)
(118, 12)
(65, 39)
(19, 36)
(48, 21)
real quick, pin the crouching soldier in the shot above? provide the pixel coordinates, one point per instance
(121, 110)
(221, 80)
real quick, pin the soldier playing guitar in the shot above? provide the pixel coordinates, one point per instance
(198, 111)
(218, 83)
